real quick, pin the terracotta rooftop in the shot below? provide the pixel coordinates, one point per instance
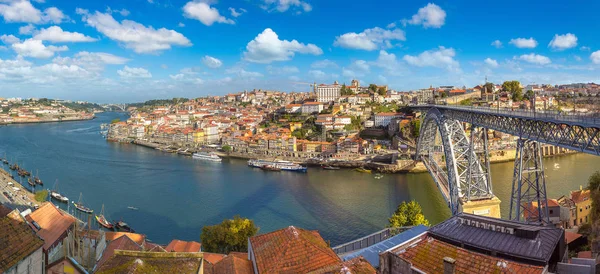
(133, 262)
(183, 246)
(428, 256)
(122, 243)
(137, 238)
(356, 265)
(52, 223)
(291, 250)
(17, 241)
(234, 264)
(213, 258)
(580, 195)
(570, 237)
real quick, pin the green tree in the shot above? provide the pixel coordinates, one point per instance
(381, 91)
(373, 88)
(515, 90)
(41, 195)
(229, 236)
(226, 148)
(529, 95)
(114, 121)
(408, 214)
(594, 187)
(489, 87)
(415, 125)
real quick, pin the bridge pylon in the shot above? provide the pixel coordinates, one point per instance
(528, 202)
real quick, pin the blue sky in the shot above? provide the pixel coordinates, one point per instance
(124, 51)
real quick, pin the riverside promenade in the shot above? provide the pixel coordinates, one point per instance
(21, 199)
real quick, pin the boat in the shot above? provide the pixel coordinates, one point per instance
(31, 182)
(378, 176)
(269, 168)
(556, 166)
(102, 220)
(360, 169)
(124, 226)
(281, 165)
(132, 208)
(79, 206)
(57, 196)
(14, 167)
(37, 179)
(208, 156)
(330, 167)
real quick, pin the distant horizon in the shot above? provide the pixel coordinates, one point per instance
(107, 51)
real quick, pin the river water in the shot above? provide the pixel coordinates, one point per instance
(177, 195)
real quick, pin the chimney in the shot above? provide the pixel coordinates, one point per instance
(449, 265)
(580, 187)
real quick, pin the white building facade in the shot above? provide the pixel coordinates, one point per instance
(328, 93)
(383, 119)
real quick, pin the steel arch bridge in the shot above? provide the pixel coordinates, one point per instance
(459, 164)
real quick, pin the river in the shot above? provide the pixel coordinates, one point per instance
(176, 196)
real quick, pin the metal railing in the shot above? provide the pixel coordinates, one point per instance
(576, 117)
(369, 240)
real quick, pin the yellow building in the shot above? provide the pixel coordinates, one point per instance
(295, 125)
(198, 136)
(583, 205)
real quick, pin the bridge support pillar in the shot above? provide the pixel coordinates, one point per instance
(483, 207)
(528, 201)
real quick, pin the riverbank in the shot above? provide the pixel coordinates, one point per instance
(14, 194)
(66, 119)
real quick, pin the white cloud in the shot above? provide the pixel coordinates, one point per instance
(491, 62)
(388, 62)
(577, 58)
(584, 48)
(22, 11)
(211, 62)
(123, 12)
(28, 29)
(284, 5)
(524, 42)
(242, 73)
(497, 44)
(317, 74)
(55, 34)
(534, 59)
(128, 72)
(9, 39)
(267, 47)
(324, 64)
(370, 39)
(236, 13)
(595, 56)
(282, 70)
(358, 68)
(36, 49)
(440, 58)
(91, 61)
(204, 13)
(562, 42)
(53, 15)
(134, 35)
(429, 16)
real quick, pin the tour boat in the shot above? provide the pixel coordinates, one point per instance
(102, 220)
(378, 176)
(281, 165)
(269, 168)
(208, 156)
(132, 208)
(54, 194)
(79, 206)
(330, 167)
(363, 170)
(124, 226)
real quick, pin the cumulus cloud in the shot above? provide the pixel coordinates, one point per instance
(267, 47)
(388, 62)
(430, 16)
(370, 39)
(324, 64)
(36, 49)
(134, 35)
(440, 58)
(242, 73)
(9, 39)
(358, 68)
(91, 61)
(282, 70)
(128, 72)
(491, 62)
(534, 59)
(28, 29)
(562, 42)
(317, 74)
(584, 48)
(204, 13)
(56, 34)
(236, 13)
(211, 62)
(528, 43)
(497, 44)
(122, 12)
(22, 11)
(285, 5)
(595, 57)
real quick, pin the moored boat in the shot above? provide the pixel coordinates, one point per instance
(37, 179)
(208, 156)
(132, 207)
(269, 168)
(79, 206)
(57, 196)
(102, 220)
(31, 182)
(124, 226)
(330, 167)
(360, 169)
(281, 165)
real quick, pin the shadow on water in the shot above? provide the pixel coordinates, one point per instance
(139, 220)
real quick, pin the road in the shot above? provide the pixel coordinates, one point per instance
(10, 197)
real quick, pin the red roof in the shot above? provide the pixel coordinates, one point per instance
(570, 237)
(213, 258)
(580, 195)
(52, 222)
(291, 250)
(17, 241)
(234, 265)
(137, 238)
(183, 246)
(121, 243)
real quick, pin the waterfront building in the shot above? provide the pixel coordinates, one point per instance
(328, 93)
(51, 225)
(21, 250)
(484, 244)
(383, 119)
(567, 203)
(583, 205)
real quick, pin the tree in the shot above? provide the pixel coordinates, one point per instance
(226, 148)
(488, 87)
(373, 88)
(408, 214)
(228, 236)
(41, 195)
(114, 121)
(594, 187)
(515, 90)
(529, 95)
(415, 125)
(381, 91)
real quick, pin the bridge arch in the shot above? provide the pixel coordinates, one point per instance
(448, 155)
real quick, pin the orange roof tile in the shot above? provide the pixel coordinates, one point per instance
(213, 258)
(233, 264)
(121, 243)
(570, 236)
(428, 256)
(358, 265)
(183, 246)
(580, 195)
(291, 250)
(17, 241)
(52, 222)
(137, 238)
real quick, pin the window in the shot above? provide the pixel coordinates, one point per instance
(551, 211)
(580, 209)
